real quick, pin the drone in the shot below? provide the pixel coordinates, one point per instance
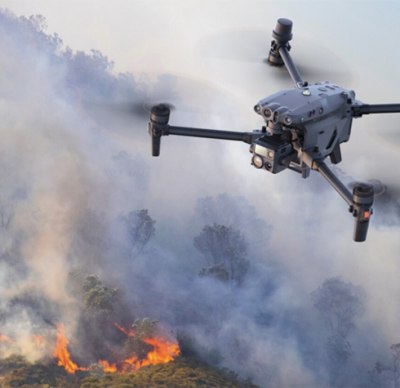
(303, 126)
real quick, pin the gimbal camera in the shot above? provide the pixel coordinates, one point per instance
(303, 126)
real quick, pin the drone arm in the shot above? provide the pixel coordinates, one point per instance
(291, 67)
(247, 137)
(360, 202)
(279, 53)
(334, 181)
(365, 109)
(158, 126)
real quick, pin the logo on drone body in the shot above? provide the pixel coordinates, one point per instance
(306, 93)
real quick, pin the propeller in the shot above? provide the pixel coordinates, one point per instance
(158, 120)
(125, 114)
(315, 62)
(380, 190)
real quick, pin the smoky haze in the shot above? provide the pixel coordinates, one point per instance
(75, 160)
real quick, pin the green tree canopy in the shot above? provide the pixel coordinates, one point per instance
(338, 303)
(98, 299)
(141, 330)
(140, 229)
(220, 244)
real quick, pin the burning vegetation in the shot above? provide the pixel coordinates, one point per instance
(153, 360)
(61, 352)
(153, 350)
(127, 349)
(157, 351)
(4, 338)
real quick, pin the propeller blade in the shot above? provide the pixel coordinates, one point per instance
(379, 188)
(187, 97)
(315, 62)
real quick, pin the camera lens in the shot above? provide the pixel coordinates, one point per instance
(267, 113)
(258, 161)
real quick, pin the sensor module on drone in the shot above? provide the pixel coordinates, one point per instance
(303, 126)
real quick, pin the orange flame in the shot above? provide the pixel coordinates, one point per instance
(107, 367)
(128, 333)
(163, 352)
(61, 352)
(4, 338)
(130, 365)
(38, 339)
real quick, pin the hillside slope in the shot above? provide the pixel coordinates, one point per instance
(182, 372)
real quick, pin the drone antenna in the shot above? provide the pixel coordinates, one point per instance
(279, 53)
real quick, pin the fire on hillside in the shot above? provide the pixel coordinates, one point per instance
(161, 351)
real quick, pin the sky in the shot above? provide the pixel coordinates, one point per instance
(219, 46)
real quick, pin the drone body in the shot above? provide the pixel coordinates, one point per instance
(317, 116)
(303, 126)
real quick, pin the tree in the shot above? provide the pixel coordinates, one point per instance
(388, 374)
(217, 271)
(96, 370)
(141, 330)
(140, 229)
(98, 300)
(338, 350)
(338, 303)
(234, 211)
(38, 22)
(144, 329)
(220, 244)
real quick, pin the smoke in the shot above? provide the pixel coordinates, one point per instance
(73, 162)
(55, 170)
